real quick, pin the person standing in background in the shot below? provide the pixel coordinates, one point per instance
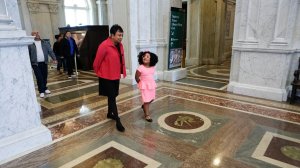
(38, 52)
(69, 50)
(57, 50)
(109, 64)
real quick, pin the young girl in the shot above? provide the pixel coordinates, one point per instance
(144, 77)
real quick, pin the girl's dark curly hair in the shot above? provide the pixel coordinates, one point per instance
(153, 58)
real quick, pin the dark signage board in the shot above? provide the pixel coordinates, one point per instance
(177, 23)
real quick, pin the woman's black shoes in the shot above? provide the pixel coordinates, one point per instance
(118, 122)
(111, 116)
(119, 125)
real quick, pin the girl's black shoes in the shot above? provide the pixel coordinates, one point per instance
(147, 118)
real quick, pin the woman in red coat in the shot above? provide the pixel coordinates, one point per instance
(109, 64)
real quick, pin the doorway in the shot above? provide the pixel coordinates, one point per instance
(210, 26)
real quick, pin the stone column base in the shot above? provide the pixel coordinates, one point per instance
(258, 91)
(173, 75)
(22, 143)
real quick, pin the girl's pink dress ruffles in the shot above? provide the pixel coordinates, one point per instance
(147, 83)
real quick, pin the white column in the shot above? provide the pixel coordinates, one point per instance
(102, 12)
(20, 124)
(263, 48)
(5, 20)
(132, 34)
(54, 15)
(3, 11)
(110, 13)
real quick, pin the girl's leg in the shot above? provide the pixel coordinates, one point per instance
(146, 111)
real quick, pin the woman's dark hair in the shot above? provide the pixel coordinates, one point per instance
(113, 30)
(153, 58)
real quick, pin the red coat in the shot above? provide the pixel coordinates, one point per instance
(107, 62)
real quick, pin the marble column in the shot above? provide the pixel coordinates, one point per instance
(53, 9)
(264, 48)
(20, 125)
(102, 12)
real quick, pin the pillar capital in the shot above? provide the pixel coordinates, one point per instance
(53, 8)
(33, 7)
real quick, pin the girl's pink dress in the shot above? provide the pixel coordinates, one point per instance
(147, 83)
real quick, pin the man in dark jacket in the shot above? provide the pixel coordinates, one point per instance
(61, 62)
(69, 50)
(38, 52)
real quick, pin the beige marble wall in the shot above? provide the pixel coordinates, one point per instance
(42, 16)
(193, 32)
(208, 31)
(207, 41)
(212, 30)
(229, 24)
(46, 16)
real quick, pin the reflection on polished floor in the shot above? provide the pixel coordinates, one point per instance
(195, 124)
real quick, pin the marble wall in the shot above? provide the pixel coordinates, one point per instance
(46, 16)
(207, 40)
(296, 42)
(193, 32)
(229, 24)
(20, 124)
(208, 30)
(42, 16)
(264, 48)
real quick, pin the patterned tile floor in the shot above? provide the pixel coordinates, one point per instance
(195, 124)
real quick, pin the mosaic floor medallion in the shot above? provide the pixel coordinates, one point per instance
(278, 150)
(112, 155)
(184, 122)
(213, 72)
(222, 72)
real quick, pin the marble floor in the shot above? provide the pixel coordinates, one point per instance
(196, 124)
